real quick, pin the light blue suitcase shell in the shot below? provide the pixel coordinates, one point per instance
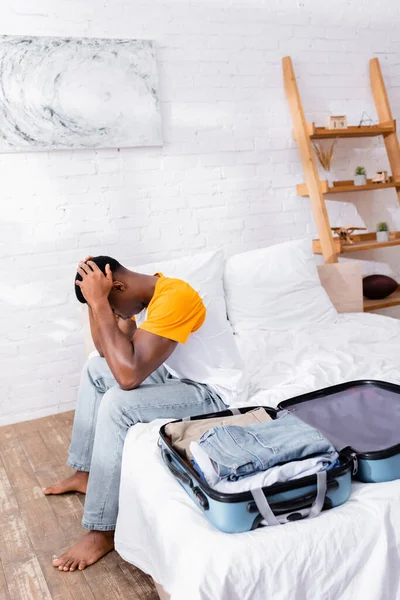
(236, 513)
(360, 418)
(379, 470)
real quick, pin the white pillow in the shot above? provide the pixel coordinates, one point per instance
(203, 271)
(275, 288)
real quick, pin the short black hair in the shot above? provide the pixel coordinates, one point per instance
(101, 262)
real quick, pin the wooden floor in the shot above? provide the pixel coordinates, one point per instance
(34, 527)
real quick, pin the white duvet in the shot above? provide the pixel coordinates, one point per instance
(349, 553)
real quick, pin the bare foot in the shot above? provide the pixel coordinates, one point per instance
(88, 550)
(76, 483)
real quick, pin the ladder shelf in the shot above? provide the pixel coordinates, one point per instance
(327, 245)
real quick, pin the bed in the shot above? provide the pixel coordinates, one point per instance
(349, 553)
(292, 341)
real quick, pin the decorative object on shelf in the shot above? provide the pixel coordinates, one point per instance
(360, 176)
(344, 233)
(381, 177)
(325, 156)
(70, 93)
(366, 120)
(377, 287)
(336, 122)
(382, 232)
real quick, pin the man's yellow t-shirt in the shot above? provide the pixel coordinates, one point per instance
(206, 352)
(175, 310)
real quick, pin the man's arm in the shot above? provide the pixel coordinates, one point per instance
(131, 362)
(94, 332)
(128, 328)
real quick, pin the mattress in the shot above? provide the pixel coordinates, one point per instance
(349, 553)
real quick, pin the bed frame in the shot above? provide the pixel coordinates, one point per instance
(161, 592)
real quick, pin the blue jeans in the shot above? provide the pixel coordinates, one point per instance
(240, 451)
(103, 416)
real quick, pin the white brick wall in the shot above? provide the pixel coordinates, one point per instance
(225, 176)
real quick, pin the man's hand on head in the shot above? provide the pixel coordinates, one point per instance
(95, 286)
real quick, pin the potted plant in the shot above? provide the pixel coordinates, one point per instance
(360, 176)
(382, 232)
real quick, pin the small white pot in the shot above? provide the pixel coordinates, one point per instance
(329, 177)
(360, 180)
(382, 236)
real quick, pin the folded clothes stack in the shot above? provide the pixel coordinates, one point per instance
(244, 452)
(182, 433)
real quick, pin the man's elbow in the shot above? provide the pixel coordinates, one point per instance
(129, 381)
(128, 384)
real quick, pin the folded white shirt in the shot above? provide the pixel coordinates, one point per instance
(205, 464)
(278, 474)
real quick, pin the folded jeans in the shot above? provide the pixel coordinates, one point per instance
(278, 474)
(240, 451)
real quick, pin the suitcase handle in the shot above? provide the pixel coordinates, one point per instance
(295, 504)
(306, 513)
(182, 477)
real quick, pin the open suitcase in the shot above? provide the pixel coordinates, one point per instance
(360, 418)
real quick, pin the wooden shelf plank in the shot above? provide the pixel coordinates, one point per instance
(392, 300)
(320, 133)
(363, 241)
(347, 186)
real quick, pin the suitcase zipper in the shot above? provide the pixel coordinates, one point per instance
(284, 412)
(355, 462)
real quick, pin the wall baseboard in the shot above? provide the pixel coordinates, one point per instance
(30, 415)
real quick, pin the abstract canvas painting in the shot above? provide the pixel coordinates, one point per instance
(60, 93)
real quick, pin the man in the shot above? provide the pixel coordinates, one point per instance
(180, 361)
